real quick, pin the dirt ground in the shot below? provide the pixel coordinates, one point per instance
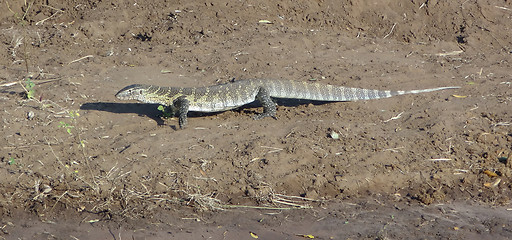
(77, 163)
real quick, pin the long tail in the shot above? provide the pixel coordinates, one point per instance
(321, 92)
(424, 90)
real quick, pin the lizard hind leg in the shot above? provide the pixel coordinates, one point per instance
(181, 105)
(269, 106)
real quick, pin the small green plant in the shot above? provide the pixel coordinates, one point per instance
(22, 20)
(68, 126)
(165, 111)
(11, 161)
(29, 88)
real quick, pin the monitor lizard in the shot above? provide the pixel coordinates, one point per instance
(223, 97)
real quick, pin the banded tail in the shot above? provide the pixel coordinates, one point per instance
(323, 92)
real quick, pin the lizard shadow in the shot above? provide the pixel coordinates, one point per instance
(286, 102)
(141, 109)
(151, 110)
(290, 102)
(251, 108)
(148, 110)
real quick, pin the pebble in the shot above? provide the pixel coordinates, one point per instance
(30, 115)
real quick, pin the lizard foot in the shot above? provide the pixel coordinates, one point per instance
(264, 115)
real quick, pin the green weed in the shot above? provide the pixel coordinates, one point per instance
(11, 161)
(67, 126)
(29, 88)
(74, 115)
(165, 111)
(28, 85)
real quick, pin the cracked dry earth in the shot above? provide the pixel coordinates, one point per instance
(77, 163)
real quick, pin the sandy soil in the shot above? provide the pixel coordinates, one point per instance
(76, 162)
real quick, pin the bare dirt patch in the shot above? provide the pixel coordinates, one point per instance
(72, 154)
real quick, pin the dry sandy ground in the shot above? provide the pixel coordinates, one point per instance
(77, 163)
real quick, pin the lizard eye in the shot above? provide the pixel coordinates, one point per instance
(140, 91)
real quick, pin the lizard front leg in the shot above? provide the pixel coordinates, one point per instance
(181, 104)
(269, 106)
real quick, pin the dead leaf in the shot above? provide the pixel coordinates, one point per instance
(306, 235)
(490, 173)
(493, 184)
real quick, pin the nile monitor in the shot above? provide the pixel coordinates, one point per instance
(238, 93)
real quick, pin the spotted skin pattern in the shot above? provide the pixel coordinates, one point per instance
(235, 94)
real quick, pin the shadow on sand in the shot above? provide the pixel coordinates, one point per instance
(151, 110)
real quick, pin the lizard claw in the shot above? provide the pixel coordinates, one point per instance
(263, 115)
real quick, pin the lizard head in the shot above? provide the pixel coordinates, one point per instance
(133, 92)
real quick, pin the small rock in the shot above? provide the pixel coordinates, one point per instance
(334, 135)
(30, 115)
(312, 194)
